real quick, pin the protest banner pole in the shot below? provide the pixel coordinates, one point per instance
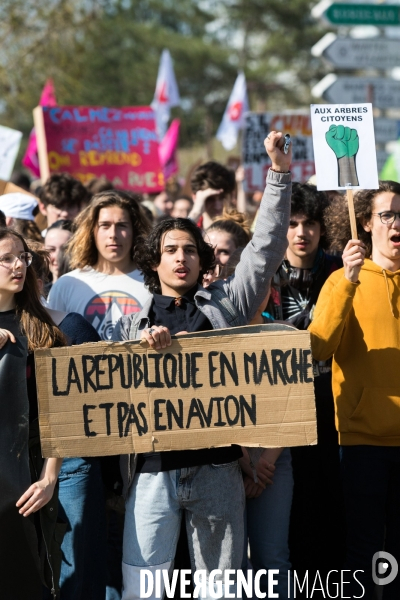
(352, 214)
(41, 143)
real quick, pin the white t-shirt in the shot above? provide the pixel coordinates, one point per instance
(101, 299)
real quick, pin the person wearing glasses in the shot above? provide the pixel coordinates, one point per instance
(356, 321)
(22, 314)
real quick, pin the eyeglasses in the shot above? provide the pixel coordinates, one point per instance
(9, 260)
(387, 217)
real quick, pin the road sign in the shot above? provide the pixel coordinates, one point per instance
(386, 130)
(382, 92)
(353, 53)
(381, 15)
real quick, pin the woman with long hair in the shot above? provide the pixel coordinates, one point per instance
(81, 494)
(22, 314)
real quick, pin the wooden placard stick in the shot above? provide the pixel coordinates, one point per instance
(38, 121)
(352, 214)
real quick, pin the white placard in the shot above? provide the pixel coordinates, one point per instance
(344, 146)
(10, 140)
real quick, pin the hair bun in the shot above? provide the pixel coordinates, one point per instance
(231, 214)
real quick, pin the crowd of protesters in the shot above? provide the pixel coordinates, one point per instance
(88, 263)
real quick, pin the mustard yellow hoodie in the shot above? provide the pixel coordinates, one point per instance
(359, 325)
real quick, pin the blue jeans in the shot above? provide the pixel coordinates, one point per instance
(212, 499)
(81, 496)
(268, 518)
(371, 484)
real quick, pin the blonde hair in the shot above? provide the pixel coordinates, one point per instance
(82, 245)
(235, 224)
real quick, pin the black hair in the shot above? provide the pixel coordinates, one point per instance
(63, 224)
(62, 189)
(2, 219)
(213, 175)
(21, 179)
(307, 200)
(148, 251)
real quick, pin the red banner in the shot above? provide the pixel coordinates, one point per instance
(90, 141)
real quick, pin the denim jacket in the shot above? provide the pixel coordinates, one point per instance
(246, 289)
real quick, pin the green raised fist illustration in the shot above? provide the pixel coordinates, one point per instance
(345, 143)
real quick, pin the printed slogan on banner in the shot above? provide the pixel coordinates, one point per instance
(90, 141)
(204, 391)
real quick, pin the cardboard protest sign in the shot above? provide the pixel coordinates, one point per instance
(344, 146)
(90, 141)
(10, 140)
(206, 390)
(255, 159)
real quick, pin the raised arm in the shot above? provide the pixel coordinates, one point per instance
(261, 258)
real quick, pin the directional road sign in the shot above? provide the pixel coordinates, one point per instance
(353, 53)
(380, 15)
(383, 93)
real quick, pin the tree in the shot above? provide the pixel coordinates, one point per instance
(272, 42)
(108, 54)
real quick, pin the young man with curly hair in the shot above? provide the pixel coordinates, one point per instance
(206, 485)
(357, 323)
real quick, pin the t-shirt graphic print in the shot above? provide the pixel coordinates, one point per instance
(104, 310)
(101, 299)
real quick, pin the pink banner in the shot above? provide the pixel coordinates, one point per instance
(30, 159)
(167, 149)
(119, 143)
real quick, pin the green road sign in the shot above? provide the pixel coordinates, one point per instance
(363, 14)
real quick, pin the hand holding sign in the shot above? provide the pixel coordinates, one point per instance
(345, 143)
(157, 337)
(353, 259)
